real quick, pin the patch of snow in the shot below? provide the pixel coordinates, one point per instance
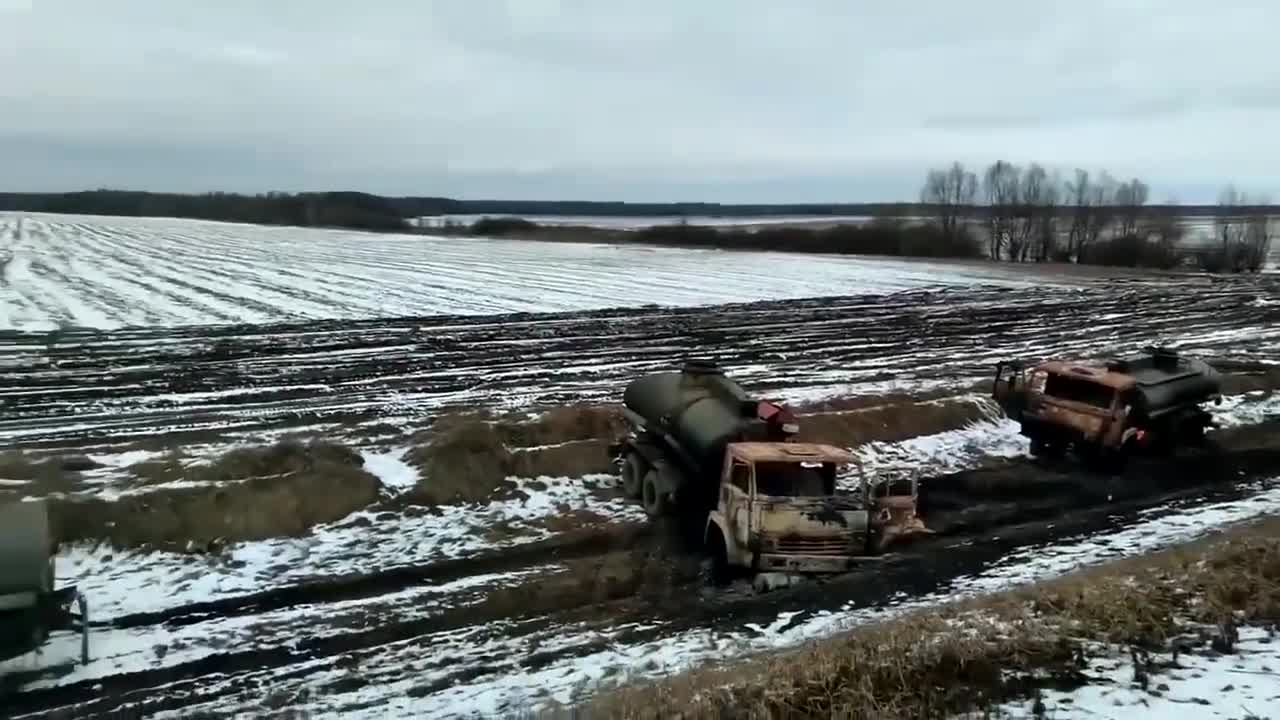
(390, 468)
(945, 452)
(1241, 685)
(123, 459)
(1250, 408)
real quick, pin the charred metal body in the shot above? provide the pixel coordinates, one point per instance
(1106, 411)
(30, 606)
(701, 447)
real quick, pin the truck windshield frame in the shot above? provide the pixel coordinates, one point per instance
(777, 478)
(1080, 390)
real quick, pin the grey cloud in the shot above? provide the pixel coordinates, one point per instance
(714, 99)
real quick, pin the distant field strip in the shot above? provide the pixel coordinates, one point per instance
(113, 272)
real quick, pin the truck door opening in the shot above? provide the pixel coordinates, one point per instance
(1065, 387)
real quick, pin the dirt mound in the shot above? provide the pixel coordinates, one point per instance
(570, 423)
(1238, 383)
(891, 423)
(468, 458)
(863, 402)
(274, 491)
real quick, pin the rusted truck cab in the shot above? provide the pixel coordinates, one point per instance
(779, 511)
(1107, 410)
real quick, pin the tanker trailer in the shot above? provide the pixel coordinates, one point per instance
(1105, 411)
(30, 606)
(704, 449)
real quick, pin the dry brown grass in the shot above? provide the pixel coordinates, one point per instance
(273, 491)
(891, 423)
(969, 655)
(1239, 383)
(41, 476)
(467, 457)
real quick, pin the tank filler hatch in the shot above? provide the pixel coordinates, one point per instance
(777, 417)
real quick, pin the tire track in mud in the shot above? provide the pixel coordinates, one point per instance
(134, 383)
(1071, 503)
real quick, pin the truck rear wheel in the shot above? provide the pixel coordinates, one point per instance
(633, 472)
(653, 499)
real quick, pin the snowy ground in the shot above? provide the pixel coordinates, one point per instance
(397, 672)
(112, 272)
(1202, 684)
(479, 668)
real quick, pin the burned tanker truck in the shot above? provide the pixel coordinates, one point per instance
(702, 449)
(1107, 411)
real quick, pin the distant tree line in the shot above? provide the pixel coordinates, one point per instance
(1027, 214)
(324, 209)
(883, 236)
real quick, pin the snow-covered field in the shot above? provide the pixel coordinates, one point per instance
(112, 272)
(414, 649)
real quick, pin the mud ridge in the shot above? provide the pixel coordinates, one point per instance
(567, 546)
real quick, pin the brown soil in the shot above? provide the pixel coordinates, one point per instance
(279, 490)
(973, 654)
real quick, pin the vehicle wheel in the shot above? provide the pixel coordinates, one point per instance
(655, 502)
(633, 471)
(721, 573)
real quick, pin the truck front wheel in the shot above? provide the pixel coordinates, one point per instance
(633, 472)
(654, 500)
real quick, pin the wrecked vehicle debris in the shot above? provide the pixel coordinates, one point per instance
(30, 606)
(701, 448)
(1107, 411)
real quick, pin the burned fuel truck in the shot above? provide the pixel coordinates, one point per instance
(1107, 411)
(727, 464)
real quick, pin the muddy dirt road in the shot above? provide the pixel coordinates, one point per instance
(545, 622)
(373, 378)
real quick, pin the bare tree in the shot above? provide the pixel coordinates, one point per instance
(1045, 232)
(1130, 198)
(1230, 230)
(951, 192)
(1000, 188)
(1101, 211)
(1078, 193)
(1256, 240)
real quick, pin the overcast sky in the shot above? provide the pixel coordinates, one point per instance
(643, 100)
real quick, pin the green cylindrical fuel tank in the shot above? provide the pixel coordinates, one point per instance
(1199, 383)
(699, 407)
(1166, 381)
(26, 548)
